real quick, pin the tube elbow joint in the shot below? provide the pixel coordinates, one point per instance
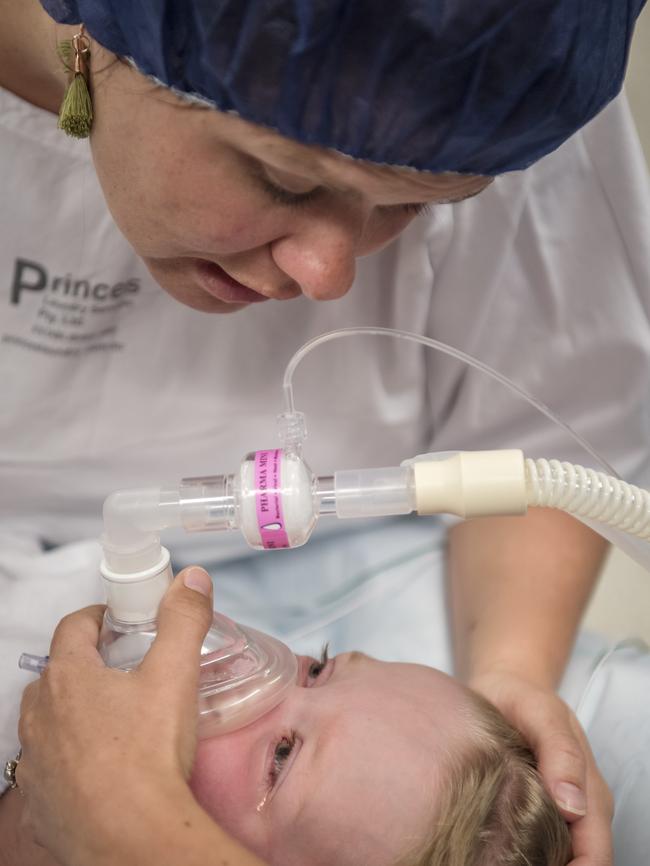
(130, 540)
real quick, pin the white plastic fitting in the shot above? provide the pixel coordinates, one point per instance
(470, 483)
(134, 597)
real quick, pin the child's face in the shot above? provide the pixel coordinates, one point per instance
(345, 770)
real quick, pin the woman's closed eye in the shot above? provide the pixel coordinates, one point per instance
(288, 197)
(281, 195)
(417, 208)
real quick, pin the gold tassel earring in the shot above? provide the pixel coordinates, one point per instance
(76, 112)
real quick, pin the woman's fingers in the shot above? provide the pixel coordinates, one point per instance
(546, 724)
(591, 836)
(565, 762)
(591, 840)
(78, 633)
(561, 757)
(90, 732)
(184, 617)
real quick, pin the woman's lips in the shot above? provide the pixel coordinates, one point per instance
(221, 285)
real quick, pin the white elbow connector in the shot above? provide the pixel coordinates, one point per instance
(132, 521)
(135, 567)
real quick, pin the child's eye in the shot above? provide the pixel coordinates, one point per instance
(280, 756)
(316, 668)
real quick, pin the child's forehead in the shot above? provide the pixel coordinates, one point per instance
(378, 766)
(375, 703)
(411, 675)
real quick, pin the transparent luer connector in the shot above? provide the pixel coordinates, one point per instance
(375, 492)
(208, 503)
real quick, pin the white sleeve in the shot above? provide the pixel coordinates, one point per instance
(37, 589)
(546, 277)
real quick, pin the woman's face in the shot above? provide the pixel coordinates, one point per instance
(345, 770)
(226, 213)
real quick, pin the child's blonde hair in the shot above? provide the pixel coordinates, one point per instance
(494, 810)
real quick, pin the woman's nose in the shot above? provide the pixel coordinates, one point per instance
(319, 258)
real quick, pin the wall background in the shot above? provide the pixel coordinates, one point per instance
(620, 606)
(638, 79)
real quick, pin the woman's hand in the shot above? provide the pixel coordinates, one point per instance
(100, 746)
(564, 757)
(518, 587)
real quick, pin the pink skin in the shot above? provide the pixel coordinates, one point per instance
(343, 795)
(225, 212)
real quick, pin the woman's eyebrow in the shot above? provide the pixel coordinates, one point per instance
(313, 174)
(279, 158)
(460, 198)
(313, 170)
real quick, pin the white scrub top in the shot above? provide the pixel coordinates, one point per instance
(106, 382)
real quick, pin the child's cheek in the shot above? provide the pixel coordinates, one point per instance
(218, 780)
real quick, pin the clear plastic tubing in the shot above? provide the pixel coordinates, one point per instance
(291, 417)
(275, 500)
(292, 431)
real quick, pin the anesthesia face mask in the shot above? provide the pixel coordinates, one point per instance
(243, 674)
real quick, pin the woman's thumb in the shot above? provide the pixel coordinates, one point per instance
(184, 617)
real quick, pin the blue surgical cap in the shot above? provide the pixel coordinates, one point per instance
(476, 86)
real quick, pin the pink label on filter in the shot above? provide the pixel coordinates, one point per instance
(268, 499)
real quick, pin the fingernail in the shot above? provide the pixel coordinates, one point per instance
(198, 579)
(571, 798)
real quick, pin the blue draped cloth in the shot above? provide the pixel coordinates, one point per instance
(440, 85)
